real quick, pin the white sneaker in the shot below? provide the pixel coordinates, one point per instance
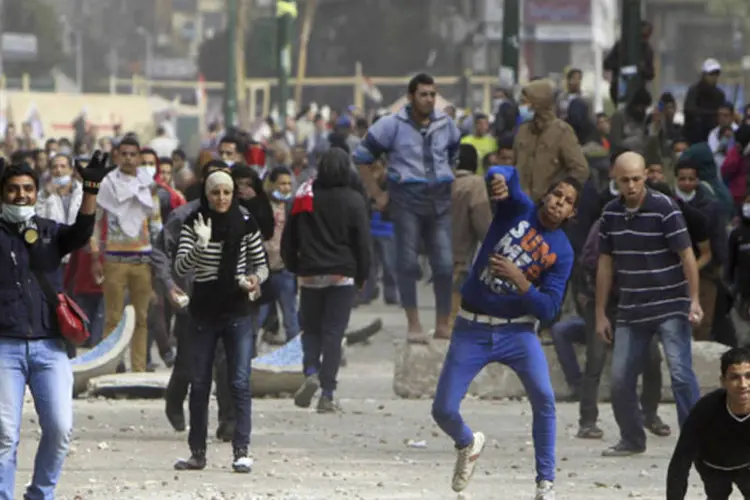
(242, 465)
(545, 490)
(466, 461)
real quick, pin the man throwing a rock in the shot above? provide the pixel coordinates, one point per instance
(517, 280)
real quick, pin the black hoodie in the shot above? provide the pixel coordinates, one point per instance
(334, 237)
(702, 103)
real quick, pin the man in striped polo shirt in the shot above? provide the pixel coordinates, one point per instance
(644, 243)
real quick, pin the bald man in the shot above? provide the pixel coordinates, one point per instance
(644, 238)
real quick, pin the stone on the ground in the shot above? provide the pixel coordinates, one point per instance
(417, 369)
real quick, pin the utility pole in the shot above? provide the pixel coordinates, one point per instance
(286, 13)
(630, 51)
(79, 59)
(2, 32)
(230, 83)
(243, 16)
(511, 40)
(310, 8)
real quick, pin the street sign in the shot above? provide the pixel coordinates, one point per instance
(18, 47)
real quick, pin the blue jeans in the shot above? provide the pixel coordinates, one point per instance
(473, 346)
(42, 365)
(384, 251)
(325, 313)
(284, 288)
(237, 336)
(421, 214)
(93, 305)
(631, 352)
(565, 335)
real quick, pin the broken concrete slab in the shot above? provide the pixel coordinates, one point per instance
(129, 385)
(275, 373)
(278, 372)
(104, 358)
(417, 368)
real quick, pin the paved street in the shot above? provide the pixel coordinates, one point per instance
(125, 449)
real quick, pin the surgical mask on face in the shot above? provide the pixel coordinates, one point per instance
(685, 196)
(63, 180)
(746, 210)
(229, 163)
(149, 170)
(526, 113)
(17, 214)
(281, 196)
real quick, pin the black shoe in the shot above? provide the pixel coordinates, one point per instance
(657, 427)
(169, 358)
(242, 463)
(327, 405)
(175, 415)
(225, 431)
(622, 449)
(590, 431)
(304, 395)
(197, 461)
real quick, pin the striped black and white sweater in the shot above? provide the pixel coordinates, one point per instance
(204, 264)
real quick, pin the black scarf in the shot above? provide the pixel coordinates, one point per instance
(229, 228)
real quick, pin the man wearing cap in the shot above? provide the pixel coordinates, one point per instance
(343, 127)
(702, 103)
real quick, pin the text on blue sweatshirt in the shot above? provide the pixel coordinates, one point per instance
(544, 256)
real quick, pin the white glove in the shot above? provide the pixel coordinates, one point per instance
(202, 231)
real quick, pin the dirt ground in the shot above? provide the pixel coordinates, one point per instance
(126, 449)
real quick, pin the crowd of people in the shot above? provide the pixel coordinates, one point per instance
(642, 221)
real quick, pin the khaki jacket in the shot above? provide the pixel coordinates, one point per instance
(471, 216)
(546, 148)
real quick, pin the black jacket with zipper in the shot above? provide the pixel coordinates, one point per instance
(24, 310)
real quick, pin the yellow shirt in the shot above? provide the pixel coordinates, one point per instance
(484, 146)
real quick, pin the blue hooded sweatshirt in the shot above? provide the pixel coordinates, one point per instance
(545, 257)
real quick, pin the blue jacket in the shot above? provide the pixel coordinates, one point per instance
(24, 310)
(544, 256)
(415, 155)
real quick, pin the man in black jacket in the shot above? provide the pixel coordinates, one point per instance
(702, 103)
(32, 351)
(645, 67)
(326, 244)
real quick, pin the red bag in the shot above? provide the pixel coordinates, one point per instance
(71, 320)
